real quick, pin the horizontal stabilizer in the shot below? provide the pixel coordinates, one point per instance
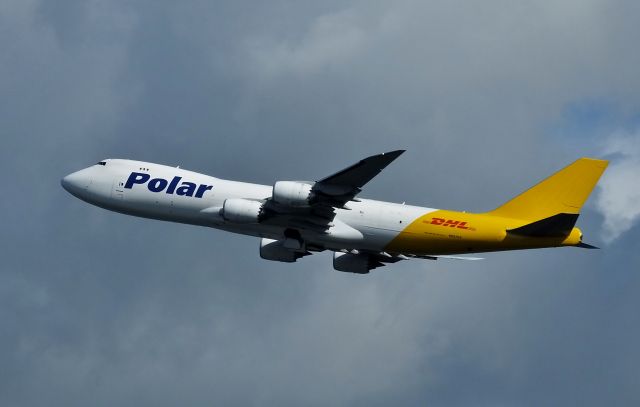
(559, 225)
(586, 246)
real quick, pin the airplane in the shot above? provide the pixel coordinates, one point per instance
(297, 218)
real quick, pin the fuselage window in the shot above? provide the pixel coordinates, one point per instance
(102, 163)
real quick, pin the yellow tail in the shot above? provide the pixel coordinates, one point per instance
(562, 193)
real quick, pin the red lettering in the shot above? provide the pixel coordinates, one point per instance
(449, 223)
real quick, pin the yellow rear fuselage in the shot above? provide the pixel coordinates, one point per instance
(451, 232)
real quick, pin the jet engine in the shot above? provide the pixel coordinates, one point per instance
(275, 250)
(292, 193)
(238, 210)
(354, 263)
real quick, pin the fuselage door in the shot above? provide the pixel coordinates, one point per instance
(118, 188)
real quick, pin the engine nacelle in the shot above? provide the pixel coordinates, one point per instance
(274, 250)
(352, 263)
(238, 210)
(292, 193)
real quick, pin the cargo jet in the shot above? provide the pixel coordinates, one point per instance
(297, 218)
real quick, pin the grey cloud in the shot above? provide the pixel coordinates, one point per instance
(100, 308)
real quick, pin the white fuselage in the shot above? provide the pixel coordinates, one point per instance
(173, 194)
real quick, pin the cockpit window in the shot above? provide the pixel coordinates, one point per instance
(101, 163)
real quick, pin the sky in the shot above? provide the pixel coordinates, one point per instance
(488, 97)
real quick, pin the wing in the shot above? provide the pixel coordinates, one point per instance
(327, 195)
(343, 186)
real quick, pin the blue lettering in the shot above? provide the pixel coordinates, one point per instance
(201, 190)
(136, 178)
(186, 189)
(157, 184)
(173, 185)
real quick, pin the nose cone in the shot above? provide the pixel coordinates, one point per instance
(76, 183)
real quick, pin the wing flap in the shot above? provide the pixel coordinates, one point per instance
(437, 256)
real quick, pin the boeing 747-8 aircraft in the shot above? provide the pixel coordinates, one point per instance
(296, 218)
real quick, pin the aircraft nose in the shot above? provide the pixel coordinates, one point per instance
(76, 182)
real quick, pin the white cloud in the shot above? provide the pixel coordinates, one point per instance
(619, 197)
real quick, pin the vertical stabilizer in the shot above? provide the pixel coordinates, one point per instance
(562, 193)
